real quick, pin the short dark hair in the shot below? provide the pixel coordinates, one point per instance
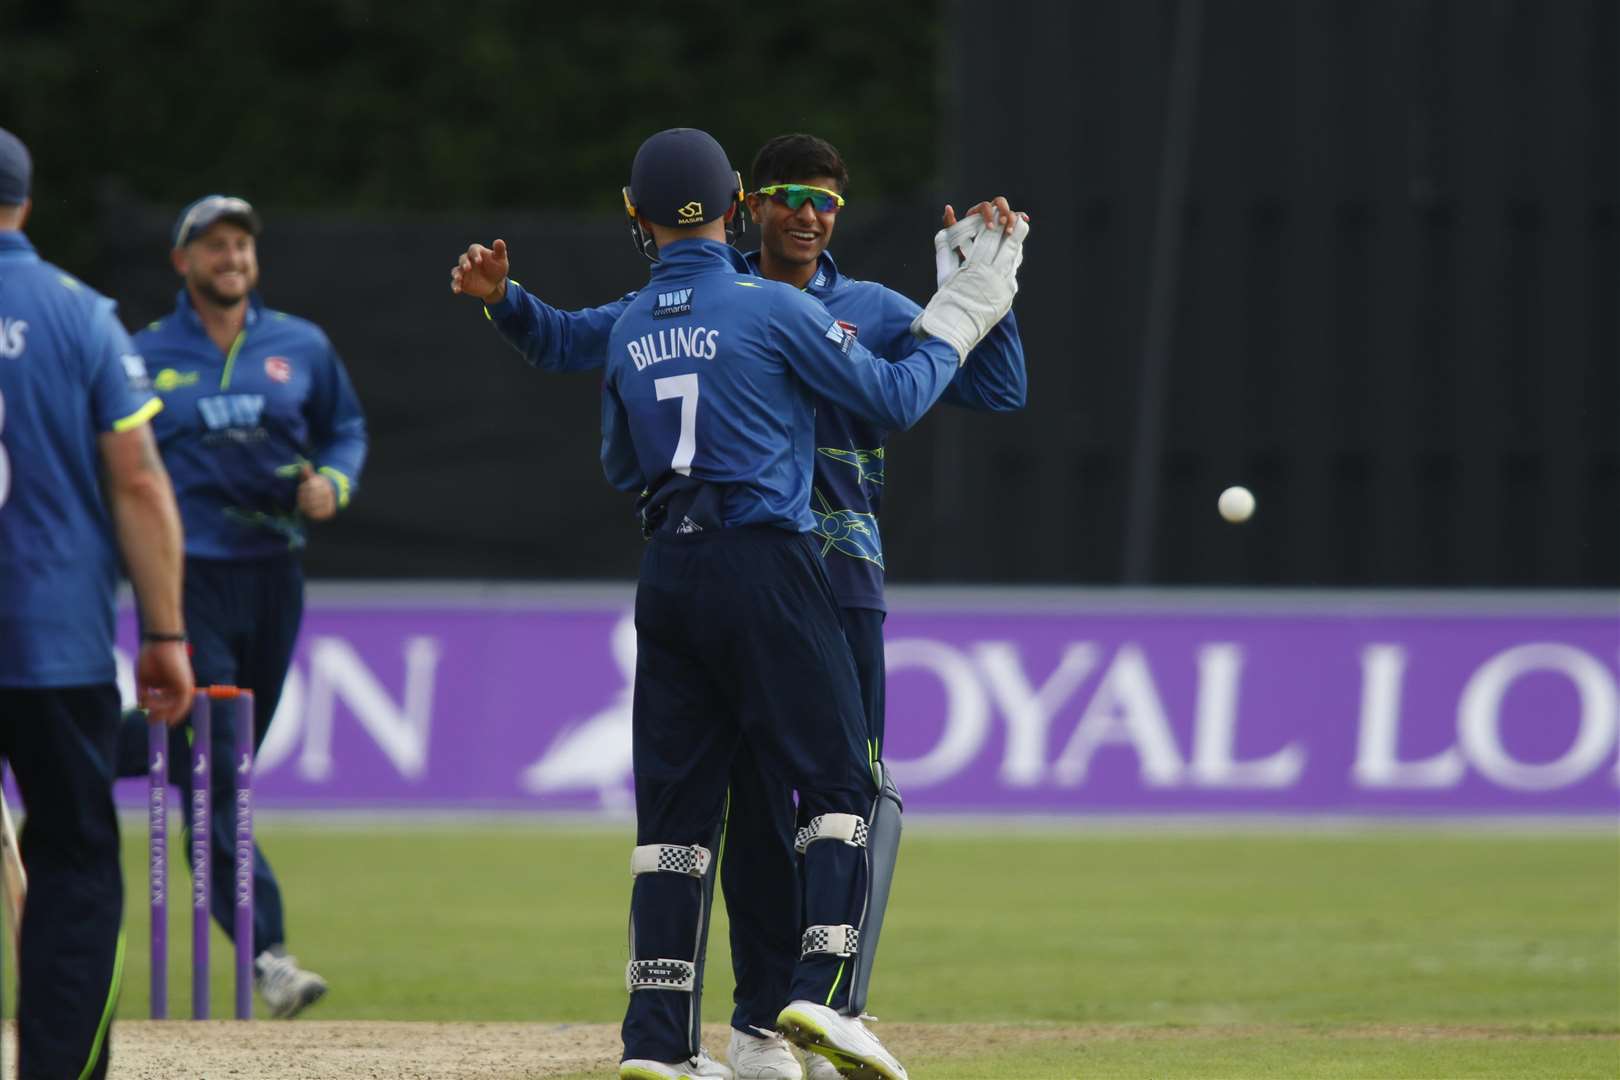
(790, 158)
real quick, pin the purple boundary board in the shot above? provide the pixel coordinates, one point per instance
(1032, 702)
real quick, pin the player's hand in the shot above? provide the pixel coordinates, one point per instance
(996, 214)
(481, 272)
(317, 495)
(975, 296)
(163, 680)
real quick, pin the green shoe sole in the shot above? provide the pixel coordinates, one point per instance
(635, 1072)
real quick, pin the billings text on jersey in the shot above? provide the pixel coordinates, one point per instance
(661, 345)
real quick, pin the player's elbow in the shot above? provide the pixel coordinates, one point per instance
(899, 421)
(1010, 399)
(623, 476)
(140, 491)
(900, 412)
(547, 360)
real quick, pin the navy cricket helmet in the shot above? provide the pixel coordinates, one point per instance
(682, 177)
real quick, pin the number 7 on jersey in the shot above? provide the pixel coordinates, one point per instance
(684, 387)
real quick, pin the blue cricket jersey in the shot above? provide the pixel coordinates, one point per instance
(68, 373)
(239, 425)
(714, 372)
(849, 472)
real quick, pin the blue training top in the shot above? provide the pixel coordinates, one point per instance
(713, 372)
(240, 425)
(68, 373)
(849, 471)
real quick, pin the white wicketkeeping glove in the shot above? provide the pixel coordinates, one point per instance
(951, 244)
(975, 297)
(1017, 242)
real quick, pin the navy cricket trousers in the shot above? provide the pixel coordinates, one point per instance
(759, 874)
(738, 638)
(242, 617)
(59, 742)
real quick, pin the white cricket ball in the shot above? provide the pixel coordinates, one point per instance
(1236, 504)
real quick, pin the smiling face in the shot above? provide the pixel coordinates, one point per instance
(791, 241)
(220, 265)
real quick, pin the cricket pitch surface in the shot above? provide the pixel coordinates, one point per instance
(418, 1050)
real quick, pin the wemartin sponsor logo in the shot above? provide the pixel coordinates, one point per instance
(670, 304)
(232, 417)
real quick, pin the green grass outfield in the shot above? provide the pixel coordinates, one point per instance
(1332, 954)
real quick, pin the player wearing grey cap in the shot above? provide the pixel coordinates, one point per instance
(263, 434)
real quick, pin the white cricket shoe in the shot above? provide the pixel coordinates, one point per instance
(819, 1068)
(844, 1040)
(699, 1066)
(287, 988)
(762, 1057)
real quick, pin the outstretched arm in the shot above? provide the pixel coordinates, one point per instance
(970, 301)
(892, 392)
(550, 339)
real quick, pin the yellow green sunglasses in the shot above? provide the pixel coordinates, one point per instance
(794, 196)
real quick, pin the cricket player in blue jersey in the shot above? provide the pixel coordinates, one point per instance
(708, 410)
(263, 434)
(80, 483)
(798, 185)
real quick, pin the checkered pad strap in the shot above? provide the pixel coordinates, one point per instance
(842, 940)
(849, 828)
(670, 859)
(660, 975)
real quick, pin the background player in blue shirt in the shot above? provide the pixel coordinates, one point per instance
(262, 433)
(798, 183)
(74, 402)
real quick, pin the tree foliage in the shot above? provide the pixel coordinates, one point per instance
(362, 106)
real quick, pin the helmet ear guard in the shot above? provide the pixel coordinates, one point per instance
(638, 236)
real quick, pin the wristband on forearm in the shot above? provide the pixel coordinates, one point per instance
(150, 637)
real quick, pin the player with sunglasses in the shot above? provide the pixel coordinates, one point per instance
(797, 186)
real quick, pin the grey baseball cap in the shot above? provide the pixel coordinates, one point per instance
(195, 219)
